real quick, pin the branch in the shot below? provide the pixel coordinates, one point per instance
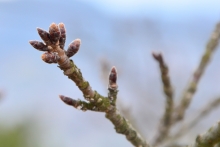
(191, 89)
(209, 138)
(124, 110)
(165, 124)
(54, 43)
(203, 113)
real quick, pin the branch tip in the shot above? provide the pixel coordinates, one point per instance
(158, 56)
(66, 100)
(113, 75)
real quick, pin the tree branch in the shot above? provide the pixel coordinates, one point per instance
(54, 43)
(203, 113)
(165, 124)
(191, 89)
(209, 138)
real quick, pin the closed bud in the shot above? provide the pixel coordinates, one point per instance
(50, 57)
(73, 48)
(54, 33)
(67, 100)
(39, 45)
(44, 36)
(113, 78)
(62, 39)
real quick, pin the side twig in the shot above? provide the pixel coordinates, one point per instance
(203, 113)
(209, 138)
(191, 89)
(165, 124)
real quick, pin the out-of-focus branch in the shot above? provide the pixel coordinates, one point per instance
(217, 145)
(165, 124)
(209, 138)
(203, 113)
(126, 111)
(55, 53)
(191, 89)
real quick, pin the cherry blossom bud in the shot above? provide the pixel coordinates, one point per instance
(39, 45)
(73, 48)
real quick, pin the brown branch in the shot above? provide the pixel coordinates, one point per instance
(191, 89)
(165, 124)
(96, 102)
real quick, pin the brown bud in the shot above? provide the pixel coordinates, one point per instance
(73, 48)
(39, 45)
(50, 57)
(158, 57)
(62, 35)
(113, 78)
(54, 33)
(66, 100)
(44, 36)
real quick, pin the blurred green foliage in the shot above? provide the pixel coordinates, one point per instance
(13, 137)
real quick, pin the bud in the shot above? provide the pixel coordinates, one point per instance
(44, 35)
(62, 35)
(113, 78)
(73, 48)
(158, 57)
(67, 100)
(54, 33)
(39, 45)
(50, 57)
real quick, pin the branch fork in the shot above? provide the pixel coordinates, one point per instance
(54, 52)
(53, 46)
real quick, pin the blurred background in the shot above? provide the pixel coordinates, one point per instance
(122, 33)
